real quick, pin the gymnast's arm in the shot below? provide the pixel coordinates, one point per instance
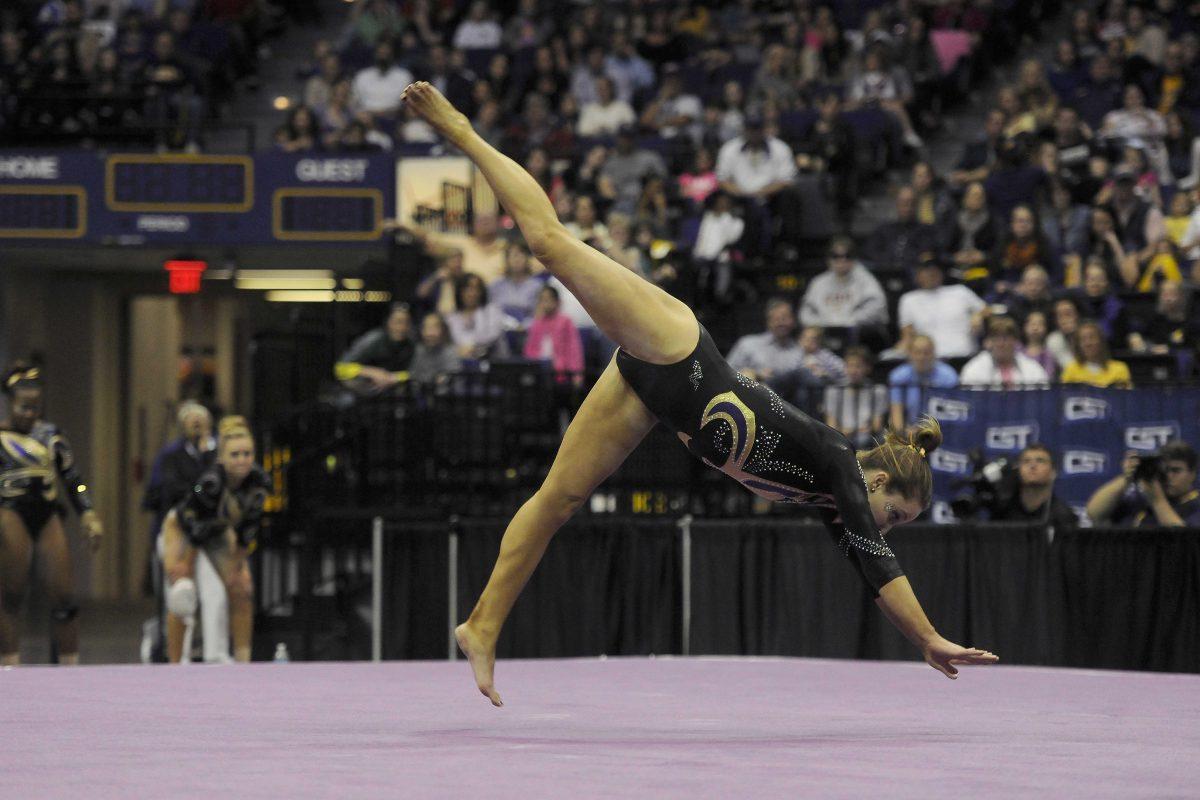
(860, 539)
(64, 462)
(77, 491)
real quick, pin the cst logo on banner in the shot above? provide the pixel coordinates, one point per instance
(1080, 408)
(944, 460)
(1084, 462)
(1151, 437)
(945, 409)
(1011, 437)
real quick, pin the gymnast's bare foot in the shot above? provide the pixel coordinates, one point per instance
(431, 104)
(482, 658)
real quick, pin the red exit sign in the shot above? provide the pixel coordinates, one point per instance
(185, 275)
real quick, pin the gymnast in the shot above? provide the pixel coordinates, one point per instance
(34, 456)
(221, 516)
(668, 369)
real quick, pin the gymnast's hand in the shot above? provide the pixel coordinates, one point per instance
(944, 655)
(93, 528)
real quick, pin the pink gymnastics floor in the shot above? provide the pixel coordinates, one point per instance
(629, 728)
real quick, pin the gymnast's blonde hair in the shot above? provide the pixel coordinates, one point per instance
(904, 456)
(230, 428)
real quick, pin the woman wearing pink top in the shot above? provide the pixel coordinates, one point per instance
(553, 337)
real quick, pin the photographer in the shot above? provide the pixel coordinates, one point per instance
(1152, 491)
(1034, 499)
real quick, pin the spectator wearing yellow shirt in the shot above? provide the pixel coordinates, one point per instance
(1178, 216)
(1093, 364)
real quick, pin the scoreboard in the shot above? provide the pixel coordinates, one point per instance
(133, 199)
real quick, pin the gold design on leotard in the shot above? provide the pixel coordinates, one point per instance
(728, 408)
(29, 460)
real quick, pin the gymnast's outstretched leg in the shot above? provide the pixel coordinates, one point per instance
(644, 320)
(610, 424)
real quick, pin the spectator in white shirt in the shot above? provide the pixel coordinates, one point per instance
(760, 170)
(720, 230)
(478, 31)
(846, 295)
(952, 316)
(606, 114)
(1001, 365)
(377, 88)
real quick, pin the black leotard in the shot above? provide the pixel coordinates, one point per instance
(772, 448)
(30, 465)
(213, 507)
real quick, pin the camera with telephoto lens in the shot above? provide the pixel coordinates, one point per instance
(1149, 468)
(991, 485)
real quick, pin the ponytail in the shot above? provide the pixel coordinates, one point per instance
(904, 456)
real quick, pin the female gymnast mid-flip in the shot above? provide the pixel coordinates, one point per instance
(668, 369)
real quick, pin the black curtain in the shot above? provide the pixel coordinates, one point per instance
(764, 586)
(1127, 599)
(606, 585)
(416, 604)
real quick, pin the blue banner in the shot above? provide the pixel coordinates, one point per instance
(1089, 431)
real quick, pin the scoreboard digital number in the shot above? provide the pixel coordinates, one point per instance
(327, 214)
(42, 212)
(175, 184)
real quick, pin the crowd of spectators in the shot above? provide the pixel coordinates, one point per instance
(1062, 245)
(764, 101)
(125, 71)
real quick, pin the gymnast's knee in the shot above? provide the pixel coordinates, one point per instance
(182, 598)
(560, 504)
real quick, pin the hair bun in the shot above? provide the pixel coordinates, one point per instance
(925, 435)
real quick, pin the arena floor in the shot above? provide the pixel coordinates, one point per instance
(633, 728)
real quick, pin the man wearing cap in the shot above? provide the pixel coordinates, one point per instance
(760, 170)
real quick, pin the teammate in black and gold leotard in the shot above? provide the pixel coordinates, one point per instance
(221, 516)
(668, 369)
(35, 458)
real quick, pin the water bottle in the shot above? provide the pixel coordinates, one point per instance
(281, 653)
